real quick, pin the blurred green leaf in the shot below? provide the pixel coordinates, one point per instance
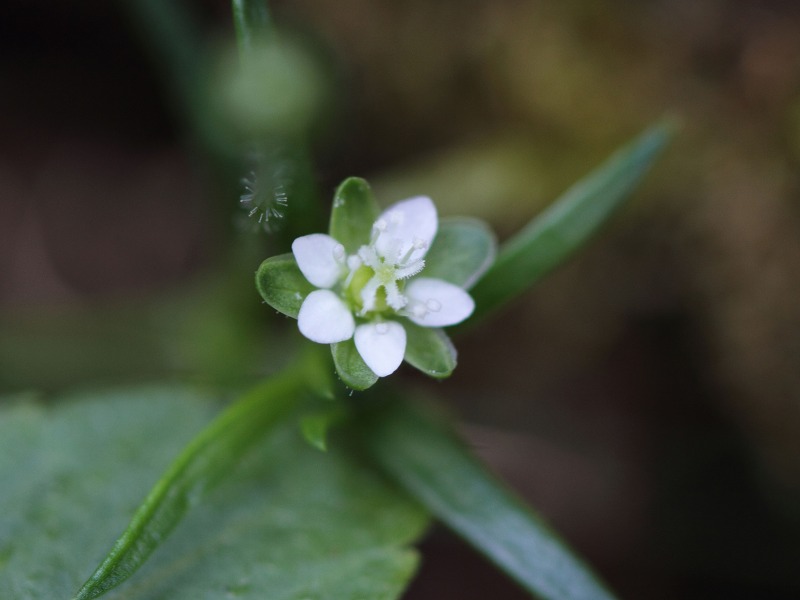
(429, 350)
(461, 252)
(282, 285)
(252, 21)
(422, 453)
(172, 35)
(566, 225)
(316, 425)
(350, 367)
(287, 522)
(270, 92)
(354, 212)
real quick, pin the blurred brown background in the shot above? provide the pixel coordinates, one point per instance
(646, 397)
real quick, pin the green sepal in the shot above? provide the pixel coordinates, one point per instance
(315, 426)
(354, 212)
(429, 350)
(462, 251)
(351, 368)
(282, 285)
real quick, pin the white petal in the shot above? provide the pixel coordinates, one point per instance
(324, 318)
(315, 255)
(444, 303)
(409, 221)
(382, 346)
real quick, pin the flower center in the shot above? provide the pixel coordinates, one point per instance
(377, 273)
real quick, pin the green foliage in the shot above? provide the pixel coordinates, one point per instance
(422, 453)
(462, 251)
(287, 522)
(252, 21)
(417, 450)
(316, 425)
(273, 89)
(354, 211)
(282, 285)
(567, 224)
(350, 367)
(429, 350)
(199, 466)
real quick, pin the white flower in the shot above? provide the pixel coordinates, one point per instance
(366, 295)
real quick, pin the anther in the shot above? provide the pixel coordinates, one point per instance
(338, 252)
(433, 305)
(353, 262)
(377, 229)
(418, 310)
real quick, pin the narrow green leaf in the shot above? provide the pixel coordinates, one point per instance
(461, 252)
(282, 285)
(354, 212)
(201, 464)
(429, 350)
(565, 226)
(425, 456)
(350, 367)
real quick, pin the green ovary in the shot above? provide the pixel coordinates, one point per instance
(360, 278)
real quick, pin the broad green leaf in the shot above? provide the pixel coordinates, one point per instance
(429, 350)
(354, 212)
(350, 367)
(422, 453)
(461, 252)
(565, 226)
(282, 285)
(287, 522)
(207, 458)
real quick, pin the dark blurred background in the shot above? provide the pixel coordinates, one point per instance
(645, 398)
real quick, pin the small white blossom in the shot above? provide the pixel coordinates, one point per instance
(366, 295)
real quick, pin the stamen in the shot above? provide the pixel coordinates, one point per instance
(377, 229)
(338, 253)
(417, 244)
(418, 310)
(353, 264)
(433, 305)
